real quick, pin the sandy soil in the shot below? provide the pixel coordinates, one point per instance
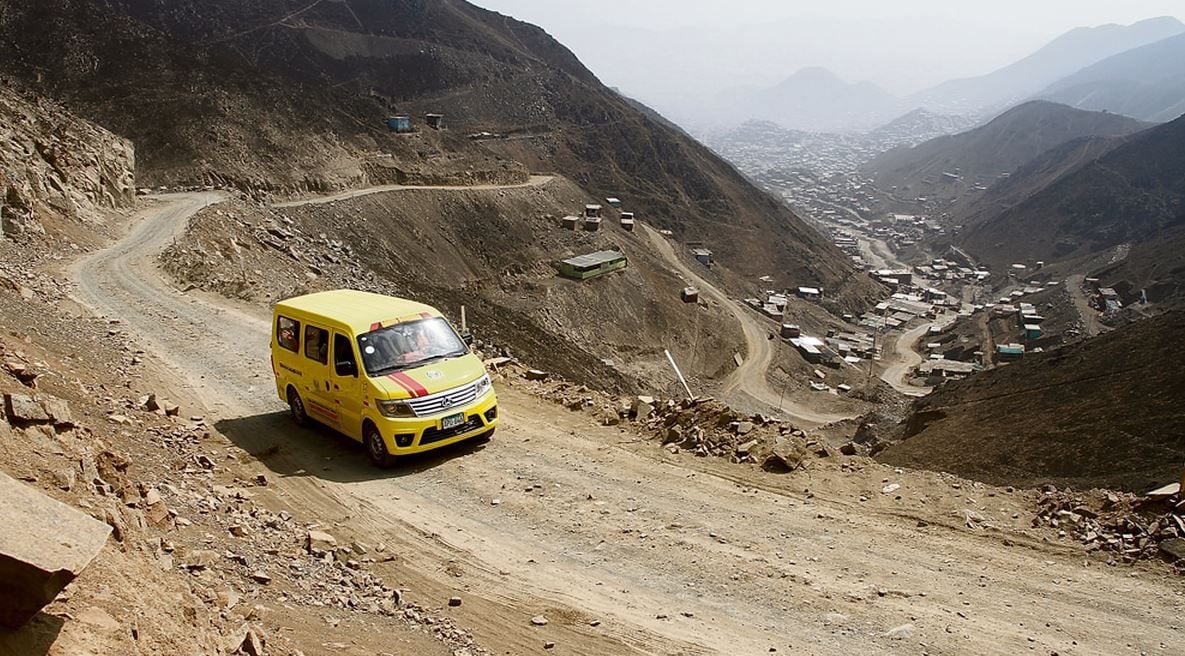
(627, 549)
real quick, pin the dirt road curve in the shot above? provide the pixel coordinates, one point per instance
(671, 554)
(902, 360)
(749, 379)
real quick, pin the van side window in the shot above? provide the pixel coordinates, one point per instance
(316, 344)
(344, 363)
(288, 333)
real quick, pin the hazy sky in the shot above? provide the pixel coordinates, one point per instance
(903, 45)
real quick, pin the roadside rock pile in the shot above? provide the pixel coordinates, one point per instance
(703, 426)
(1129, 526)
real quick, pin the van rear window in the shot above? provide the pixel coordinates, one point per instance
(288, 333)
(316, 344)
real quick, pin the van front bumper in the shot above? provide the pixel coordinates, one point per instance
(407, 436)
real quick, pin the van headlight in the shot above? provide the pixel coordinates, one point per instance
(395, 409)
(483, 385)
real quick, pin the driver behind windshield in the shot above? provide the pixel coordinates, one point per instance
(408, 345)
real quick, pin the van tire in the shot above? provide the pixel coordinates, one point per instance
(376, 447)
(296, 408)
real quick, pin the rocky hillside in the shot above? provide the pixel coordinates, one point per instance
(290, 96)
(949, 167)
(55, 166)
(1128, 195)
(1105, 412)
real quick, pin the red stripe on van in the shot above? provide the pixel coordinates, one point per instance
(408, 383)
(376, 325)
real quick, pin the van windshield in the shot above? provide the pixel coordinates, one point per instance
(409, 345)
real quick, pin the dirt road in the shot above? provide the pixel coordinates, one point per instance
(668, 554)
(748, 380)
(901, 360)
(1090, 316)
(534, 181)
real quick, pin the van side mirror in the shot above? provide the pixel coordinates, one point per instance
(468, 339)
(346, 368)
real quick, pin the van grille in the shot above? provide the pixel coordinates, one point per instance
(442, 402)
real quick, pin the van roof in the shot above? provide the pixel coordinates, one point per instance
(358, 310)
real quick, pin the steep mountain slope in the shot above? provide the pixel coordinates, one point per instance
(1101, 413)
(1030, 178)
(290, 96)
(1130, 194)
(945, 168)
(813, 99)
(1147, 83)
(56, 168)
(1068, 53)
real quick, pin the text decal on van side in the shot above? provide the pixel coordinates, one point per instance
(291, 370)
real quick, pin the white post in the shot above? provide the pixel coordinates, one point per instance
(678, 373)
(464, 327)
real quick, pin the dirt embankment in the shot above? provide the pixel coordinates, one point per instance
(491, 249)
(1101, 413)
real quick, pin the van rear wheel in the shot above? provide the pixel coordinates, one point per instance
(296, 408)
(376, 447)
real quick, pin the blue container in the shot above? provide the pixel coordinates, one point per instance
(399, 124)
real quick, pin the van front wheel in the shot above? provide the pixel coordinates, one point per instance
(296, 408)
(376, 448)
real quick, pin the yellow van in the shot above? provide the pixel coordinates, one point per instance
(388, 372)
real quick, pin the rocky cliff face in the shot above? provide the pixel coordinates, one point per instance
(54, 165)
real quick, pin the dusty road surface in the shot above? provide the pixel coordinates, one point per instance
(626, 549)
(902, 358)
(534, 181)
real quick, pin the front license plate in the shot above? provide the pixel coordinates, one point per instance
(452, 421)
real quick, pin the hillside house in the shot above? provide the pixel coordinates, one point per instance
(613, 202)
(434, 121)
(570, 222)
(592, 211)
(584, 267)
(810, 293)
(702, 255)
(627, 221)
(592, 223)
(690, 295)
(1009, 352)
(400, 124)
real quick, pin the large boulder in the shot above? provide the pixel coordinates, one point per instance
(44, 545)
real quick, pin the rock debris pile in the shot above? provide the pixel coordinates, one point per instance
(703, 426)
(1129, 527)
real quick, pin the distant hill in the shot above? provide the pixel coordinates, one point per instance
(920, 125)
(1105, 412)
(946, 168)
(813, 99)
(289, 96)
(1063, 56)
(1147, 83)
(1133, 192)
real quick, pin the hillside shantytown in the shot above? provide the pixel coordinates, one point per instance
(388, 327)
